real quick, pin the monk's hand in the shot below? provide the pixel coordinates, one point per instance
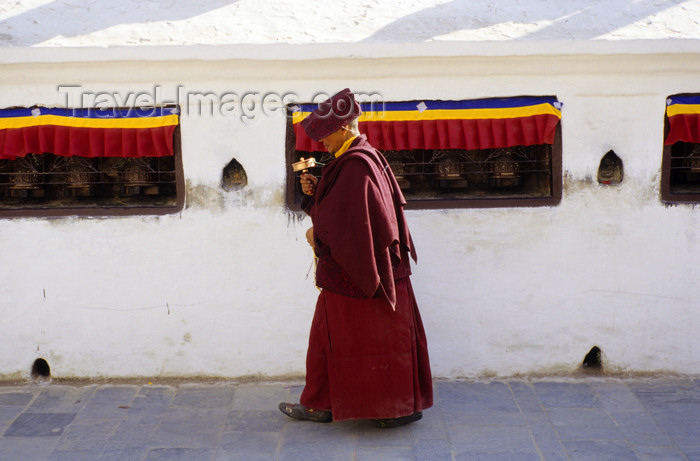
(310, 236)
(308, 183)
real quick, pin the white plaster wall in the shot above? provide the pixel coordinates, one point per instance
(220, 289)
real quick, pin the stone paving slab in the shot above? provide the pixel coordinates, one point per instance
(594, 418)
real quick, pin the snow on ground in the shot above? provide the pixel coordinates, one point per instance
(46, 23)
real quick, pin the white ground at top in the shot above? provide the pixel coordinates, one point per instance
(213, 22)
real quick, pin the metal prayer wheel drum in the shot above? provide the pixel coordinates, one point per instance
(137, 177)
(449, 169)
(81, 176)
(304, 164)
(504, 169)
(26, 179)
(692, 163)
(25, 173)
(400, 170)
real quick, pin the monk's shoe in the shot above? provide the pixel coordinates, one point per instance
(299, 411)
(389, 423)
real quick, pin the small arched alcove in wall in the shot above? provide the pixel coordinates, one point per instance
(41, 369)
(594, 359)
(234, 176)
(610, 171)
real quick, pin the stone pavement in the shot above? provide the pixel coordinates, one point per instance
(551, 419)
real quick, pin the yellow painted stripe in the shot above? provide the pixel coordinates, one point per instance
(449, 114)
(678, 109)
(80, 122)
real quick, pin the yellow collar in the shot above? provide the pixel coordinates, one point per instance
(344, 147)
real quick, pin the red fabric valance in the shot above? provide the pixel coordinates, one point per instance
(87, 142)
(683, 128)
(449, 134)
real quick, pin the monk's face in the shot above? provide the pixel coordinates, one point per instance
(335, 140)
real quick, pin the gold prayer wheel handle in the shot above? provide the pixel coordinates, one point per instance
(304, 164)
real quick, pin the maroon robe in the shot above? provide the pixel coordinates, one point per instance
(367, 356)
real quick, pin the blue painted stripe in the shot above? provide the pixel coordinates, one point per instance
(683, 100)
(491, 103)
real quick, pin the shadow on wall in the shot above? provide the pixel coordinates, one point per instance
(69, 19)
(563, 20)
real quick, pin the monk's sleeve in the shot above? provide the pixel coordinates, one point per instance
(355, 221)
(307, 204)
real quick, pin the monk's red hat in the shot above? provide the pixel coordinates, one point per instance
(331, 115)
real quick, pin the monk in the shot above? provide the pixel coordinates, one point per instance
(367, 355)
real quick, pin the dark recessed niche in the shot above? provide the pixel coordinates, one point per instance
(593, 360)
(41, 369)
(234, 176)
(610, 170)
